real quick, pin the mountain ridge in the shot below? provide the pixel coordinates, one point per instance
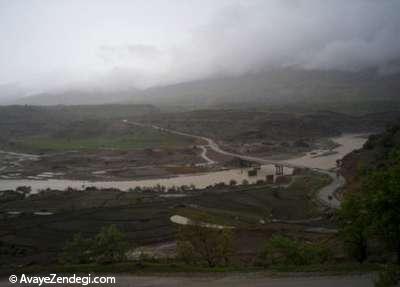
(274, 87)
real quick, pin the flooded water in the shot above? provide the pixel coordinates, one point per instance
(322, 159)
(181, 220)
(198, 180)
(326, 159)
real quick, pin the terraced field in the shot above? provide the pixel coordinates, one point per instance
(144, 217)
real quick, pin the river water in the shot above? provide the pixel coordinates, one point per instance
(315, 159)
(198, 180)
(326, 159)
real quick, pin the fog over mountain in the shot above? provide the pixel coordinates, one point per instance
(109, 48)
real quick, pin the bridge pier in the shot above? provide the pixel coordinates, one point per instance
(278, 169)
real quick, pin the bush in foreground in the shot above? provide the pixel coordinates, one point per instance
(388, 277)
(198, 244)
(108, 246)
(283, 251)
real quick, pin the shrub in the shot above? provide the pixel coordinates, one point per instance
(388, 277)
(108, 246)
(281, 250)
(78, 250)
(185, 252)
(205, 245)
(354, 223)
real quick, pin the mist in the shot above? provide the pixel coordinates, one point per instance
(56, 45)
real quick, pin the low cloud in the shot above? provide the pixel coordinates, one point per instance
(248, 36)
(236, 37)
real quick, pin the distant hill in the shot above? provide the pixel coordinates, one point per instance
(285, 86)
(77, 97)
(334, 90)
(10, 92)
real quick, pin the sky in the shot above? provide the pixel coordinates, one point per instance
(64, 44)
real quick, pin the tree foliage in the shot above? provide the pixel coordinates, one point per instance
(354, 223)
(283, 251)
(108, 246)
(199, 244)
(78, 250)
(381, 192)
(388, 277)
(375, 210)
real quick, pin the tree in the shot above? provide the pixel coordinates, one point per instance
(198, 243)
(354, 222)
(110, 245)
(375, 210)
(382, 195)
(78, 250)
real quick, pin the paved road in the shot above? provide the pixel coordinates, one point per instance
(235, 281)
(230, 281)
(326, 194)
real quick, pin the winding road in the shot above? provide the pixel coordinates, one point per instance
(203, 154)
(326, 194)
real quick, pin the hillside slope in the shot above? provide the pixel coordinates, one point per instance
(367, 89)
(377, 153)
(364, 91)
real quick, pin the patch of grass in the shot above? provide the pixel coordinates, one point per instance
(310, 184)
(183, 169)
(247, 205)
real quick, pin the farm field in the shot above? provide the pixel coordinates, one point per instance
(145, 216)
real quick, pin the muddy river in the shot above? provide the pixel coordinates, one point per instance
(326, 159)
(323, 159)
(198, 180)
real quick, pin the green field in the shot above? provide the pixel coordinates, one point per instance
(59, 128)
(246, 205)
(148, 139)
